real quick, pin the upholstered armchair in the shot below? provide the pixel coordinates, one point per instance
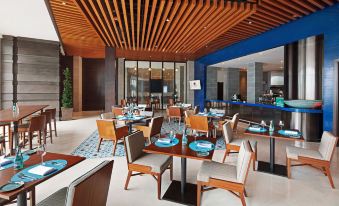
(227, 177)
(233, 144)
(144, 163)
(319, 158)
(95, 182)
(109, 131)
(153, 129)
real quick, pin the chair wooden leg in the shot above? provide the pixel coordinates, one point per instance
(98, 147)
(255, 156)
(198, 193)
(30, 139)
(4, 131)
(10, 141)
(171, 172)
(114, 146)
(32, 197)
(288, 164)
(50, 132)
(159, 186)
(328, 172)
(128, 178)
(242, 198)
(55, 130)
(225, 155)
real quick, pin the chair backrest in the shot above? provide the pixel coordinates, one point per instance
(123, 102)
(148, 109)
(52, 111)
(327, 145)
(196, 109)
(147, 113)
(134, 144)
(107, 115)
(117, 111)
(106, 129)
(244, 161)
(199, 123)
(227, 132)
(234, 121)
(48, 116)
(156, 124)
(174, 111)
(92, 187)
(170, 102)
(37, 123)
(187, 117)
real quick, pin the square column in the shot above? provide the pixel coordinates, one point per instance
(254, 81)
(77, 84)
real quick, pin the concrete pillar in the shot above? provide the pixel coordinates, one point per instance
(77, 84)
(231, 83)
(212, 83)
(190, 77)
(254, 81)
(111, 79)
(121, 80)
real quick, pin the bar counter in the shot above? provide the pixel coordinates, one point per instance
(308, 121)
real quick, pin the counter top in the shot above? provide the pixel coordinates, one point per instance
(287, 109)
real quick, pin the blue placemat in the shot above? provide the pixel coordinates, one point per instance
(194, 146)
(283, 132)
(175, 141)
(25, 158)
(255, 129)
(57, 164)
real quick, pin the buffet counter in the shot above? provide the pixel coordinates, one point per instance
(308, 121)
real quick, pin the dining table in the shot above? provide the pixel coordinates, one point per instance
(20, 194)
(130, 120)
(271, 167)
(8, 115)
(181, 191)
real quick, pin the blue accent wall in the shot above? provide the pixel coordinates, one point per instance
(324, 22)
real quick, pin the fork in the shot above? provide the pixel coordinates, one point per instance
(26, 177)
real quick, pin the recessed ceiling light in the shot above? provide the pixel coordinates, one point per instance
(163, 69)
(149, 69)
(156, 46)
(167, 19)
(205, 27)
(250, 22)
(63, 3)
(176, 70)
(115, 18)
(135, 69)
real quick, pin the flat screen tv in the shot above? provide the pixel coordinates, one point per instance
(195, 85)
(156, 85)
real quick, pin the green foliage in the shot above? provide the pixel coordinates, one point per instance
(67, 96)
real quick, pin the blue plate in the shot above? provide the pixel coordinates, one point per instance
(194, 146)
(11, 186)
(255, 129)
(283, 132)
(174, 142)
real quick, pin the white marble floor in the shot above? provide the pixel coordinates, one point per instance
(307, 187)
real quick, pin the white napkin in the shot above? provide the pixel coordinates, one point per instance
(164, 140)
(41, 170)
(291, 132)
(204, 145)
(4, 161)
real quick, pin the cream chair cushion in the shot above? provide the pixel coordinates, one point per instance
(135, 143)
(157, 162)
(217, 170)
(327, 145)
(294, 152)
(244, 160)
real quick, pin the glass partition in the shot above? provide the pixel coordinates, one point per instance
(168, 79)
(131, 78)
(143, 82)
(180, 82)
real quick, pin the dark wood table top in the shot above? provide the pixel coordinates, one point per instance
(6, 175)
(275, 135)
(7, 115)
(181, 151)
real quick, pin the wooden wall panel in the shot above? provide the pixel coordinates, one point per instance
(93, 87)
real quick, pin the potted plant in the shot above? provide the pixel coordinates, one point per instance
(67, 104)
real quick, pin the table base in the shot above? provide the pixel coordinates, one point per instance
(280, 170)
(173, 193)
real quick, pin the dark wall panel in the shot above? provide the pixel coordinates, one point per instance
(93, 84)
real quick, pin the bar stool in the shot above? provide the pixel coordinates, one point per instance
(36, 124)
(48, 123)
(53, 111)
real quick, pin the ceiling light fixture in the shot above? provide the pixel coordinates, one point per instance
(63, 3)
(167, 19)
(250, 22)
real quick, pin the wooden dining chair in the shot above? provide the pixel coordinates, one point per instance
(153, 129)
(4, 126)
(188, 113)
(196, 109)
(320, 158)
(109, 131)
(123, 102)
(234, 123)
(53, 118)
(145, 163)
(87, 190)
(200, 124)
(148, 117)
(175, 113)
(107, 115)
(117, 111)
(48, 124)
(170, 102)
(37, 124)
(228, 177)
(233, 144)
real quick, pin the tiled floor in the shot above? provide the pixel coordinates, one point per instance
(307, 186)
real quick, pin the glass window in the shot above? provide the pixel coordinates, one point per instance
(168, 79)
(131, 76)
(143, 82)
(180, 85)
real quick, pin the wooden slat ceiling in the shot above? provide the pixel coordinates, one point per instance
(177, 30)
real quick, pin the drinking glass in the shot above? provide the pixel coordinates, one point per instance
(42, 152)
(263, 123)
(171, 135)
(281, 124)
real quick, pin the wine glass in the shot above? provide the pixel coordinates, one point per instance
(171, 135)
(281, 124)
(42, 152)
(263, 123)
